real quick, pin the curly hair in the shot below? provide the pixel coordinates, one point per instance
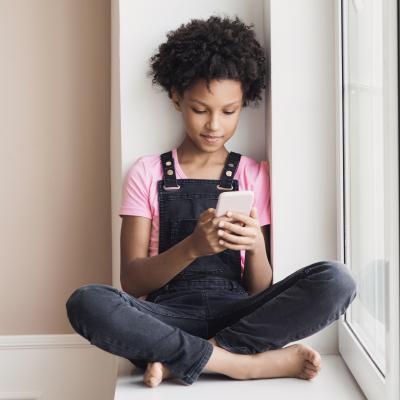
(216, 48)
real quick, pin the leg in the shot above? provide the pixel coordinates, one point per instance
(135, 329)
(296, 307)
(297, 361)
(334, 289)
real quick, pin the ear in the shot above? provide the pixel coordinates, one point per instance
(176, 99)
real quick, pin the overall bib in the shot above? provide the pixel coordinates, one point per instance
(181, 201)
(206, 299)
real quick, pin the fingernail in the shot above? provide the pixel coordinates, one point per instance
(229, 213)
(221, 224)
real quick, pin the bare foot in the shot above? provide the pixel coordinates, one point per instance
(297, 361)
(155, 373)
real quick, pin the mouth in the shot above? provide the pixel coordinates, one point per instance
(211, 139)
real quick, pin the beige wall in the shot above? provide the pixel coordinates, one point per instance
(54, 158)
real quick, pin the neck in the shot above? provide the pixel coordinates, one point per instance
(188, 153)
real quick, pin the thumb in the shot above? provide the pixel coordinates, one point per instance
(207, 214)
(254, 213)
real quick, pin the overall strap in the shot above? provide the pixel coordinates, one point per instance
(227, 175)
(169, 175)
(229, 171)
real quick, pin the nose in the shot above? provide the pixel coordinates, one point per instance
(213, 122)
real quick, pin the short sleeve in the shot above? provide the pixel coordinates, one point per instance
(135, 194)
(262, 194)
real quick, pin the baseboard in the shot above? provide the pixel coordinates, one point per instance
(43, 341)
(22, 396)
(62, 367)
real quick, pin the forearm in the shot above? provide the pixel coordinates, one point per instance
(144, 275)
(257, 274)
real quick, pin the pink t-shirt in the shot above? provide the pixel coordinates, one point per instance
(140, 195)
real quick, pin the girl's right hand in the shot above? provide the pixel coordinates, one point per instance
(205, 239)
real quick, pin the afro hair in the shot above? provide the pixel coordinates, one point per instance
(216, 48)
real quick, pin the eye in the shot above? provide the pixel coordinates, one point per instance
(204, 111)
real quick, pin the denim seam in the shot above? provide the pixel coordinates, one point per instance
(94, 339)
(310, 332)
(198, 367)
(303, 334)
(249, 305)
(188, 378)
(225, 345)
(302, 274)
(166, 313)
(205, 300)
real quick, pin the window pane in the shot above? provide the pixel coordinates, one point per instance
(364, 170)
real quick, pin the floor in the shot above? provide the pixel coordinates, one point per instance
(333, 382)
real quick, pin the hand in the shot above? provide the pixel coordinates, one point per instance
(204, 239)
(242, 236)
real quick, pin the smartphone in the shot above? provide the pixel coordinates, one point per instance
(237, 201)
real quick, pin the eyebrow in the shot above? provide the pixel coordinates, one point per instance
(204, 104)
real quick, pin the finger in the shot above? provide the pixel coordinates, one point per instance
(254, 213)
(231, 246)
(235, 228)
(207, 214)
(227, 217)
(216, 220)
(242, 218)
(233, 238)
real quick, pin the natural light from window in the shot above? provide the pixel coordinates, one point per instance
(364, 171)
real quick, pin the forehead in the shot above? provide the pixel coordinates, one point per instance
(221, 92)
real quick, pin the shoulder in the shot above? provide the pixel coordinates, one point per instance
(250, 169)
(145, 165)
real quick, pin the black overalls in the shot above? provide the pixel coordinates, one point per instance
(206, 299)
(181, 201)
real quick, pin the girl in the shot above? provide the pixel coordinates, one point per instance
(197, 293)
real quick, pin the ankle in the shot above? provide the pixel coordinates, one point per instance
(214, 342)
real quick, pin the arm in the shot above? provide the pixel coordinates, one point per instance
(141, 274)
(257, 274)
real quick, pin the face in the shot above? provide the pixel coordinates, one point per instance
(210, 119)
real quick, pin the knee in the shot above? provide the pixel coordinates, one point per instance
(83, 302)
(342, 284)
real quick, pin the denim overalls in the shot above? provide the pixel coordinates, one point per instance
(180, 204)
(207, 299)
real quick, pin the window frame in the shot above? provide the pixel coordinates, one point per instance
(372, 381)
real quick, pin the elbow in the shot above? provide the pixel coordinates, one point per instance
(126, 284)
(129, 289)
(123, 283)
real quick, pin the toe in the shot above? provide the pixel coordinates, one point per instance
(314, 358)
(310, 365)
(302, 375)
(310, 373)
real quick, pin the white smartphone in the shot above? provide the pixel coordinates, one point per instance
(237, 201)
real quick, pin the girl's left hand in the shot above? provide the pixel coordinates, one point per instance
(246, 234)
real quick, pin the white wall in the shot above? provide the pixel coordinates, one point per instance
(303, 133)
